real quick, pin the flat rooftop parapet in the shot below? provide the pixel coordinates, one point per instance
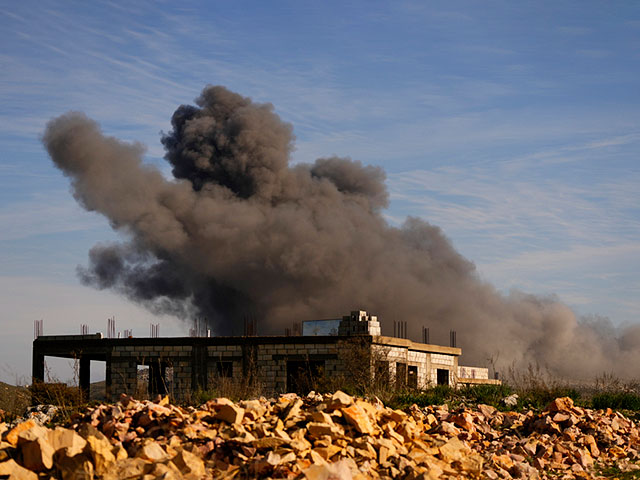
(420, 347)
(478, 381)
(62, 338)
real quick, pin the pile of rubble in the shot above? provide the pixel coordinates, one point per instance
(319, 437)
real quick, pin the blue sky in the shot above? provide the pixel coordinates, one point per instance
(514, 126)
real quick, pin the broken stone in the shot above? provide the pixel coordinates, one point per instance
(324, 471)
(319, 429)
(453, 450)
(128, 468)
(287, 436)
(37, 455)
(13, 471)
(74, 467)
(60, 438)
(12, 436)
(189, 463)
(100, 451)
(564, 404)
(151, 451)
(230, 413)
(358, 418)
(339, 399)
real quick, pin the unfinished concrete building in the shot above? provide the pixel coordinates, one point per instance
(180, 365)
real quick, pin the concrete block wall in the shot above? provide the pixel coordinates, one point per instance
(125, 361)
(191, 363)
(426, 362)
(224, 353)
(421, 360)
(473, 372)
(359, 323)
(446, 362)
(124, 377)
(272, 361)
(270, 364)
(182, 377)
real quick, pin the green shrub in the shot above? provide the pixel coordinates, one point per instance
(616, 401)
(487, 394)
(539, 397)
(437, 395)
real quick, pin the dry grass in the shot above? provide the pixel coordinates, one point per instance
(14, 400)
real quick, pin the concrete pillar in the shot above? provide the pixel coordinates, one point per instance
(108, 379)
(85, 377)
(199, 367)
(37, 366)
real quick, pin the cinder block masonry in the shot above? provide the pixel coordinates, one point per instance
(181, 365)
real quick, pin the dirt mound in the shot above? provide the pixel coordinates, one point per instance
(320, 437)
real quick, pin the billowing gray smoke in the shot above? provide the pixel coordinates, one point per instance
(240, 233)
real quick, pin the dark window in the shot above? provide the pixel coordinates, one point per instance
(401, 374)
(412, 378)
(224, 369)
(152, 378)
(302, 376)
(443, 376)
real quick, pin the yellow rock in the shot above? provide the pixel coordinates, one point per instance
(327, 452)
(166, 471)
(369, 409)
(16, 472)
(268, 442)
(151, 451)
(471, 463)
(358, 418)
(431, 419)
(396, 415)
(340, 399)
(76, 467)
(486, 410)
(37, 455)
(119, 452)
(188, 462)
(322, 417)
(564, 404)
(386, 444)
(128, 468)
(324, 471)
(317, 429)
(294, 408)
(298, 442)
(503, 461)
(254, 407)
(60, 438)
(230, 413)
(100, 450)
(453, 450)
(12, 436)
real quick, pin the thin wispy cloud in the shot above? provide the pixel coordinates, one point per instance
(513, 130)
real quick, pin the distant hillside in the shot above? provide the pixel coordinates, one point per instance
(98, 391)
(13, 400)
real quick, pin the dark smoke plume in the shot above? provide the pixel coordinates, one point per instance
(240, 232)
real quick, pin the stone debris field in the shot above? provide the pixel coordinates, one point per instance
(319, 437)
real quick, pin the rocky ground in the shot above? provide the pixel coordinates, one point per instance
(319, 437)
